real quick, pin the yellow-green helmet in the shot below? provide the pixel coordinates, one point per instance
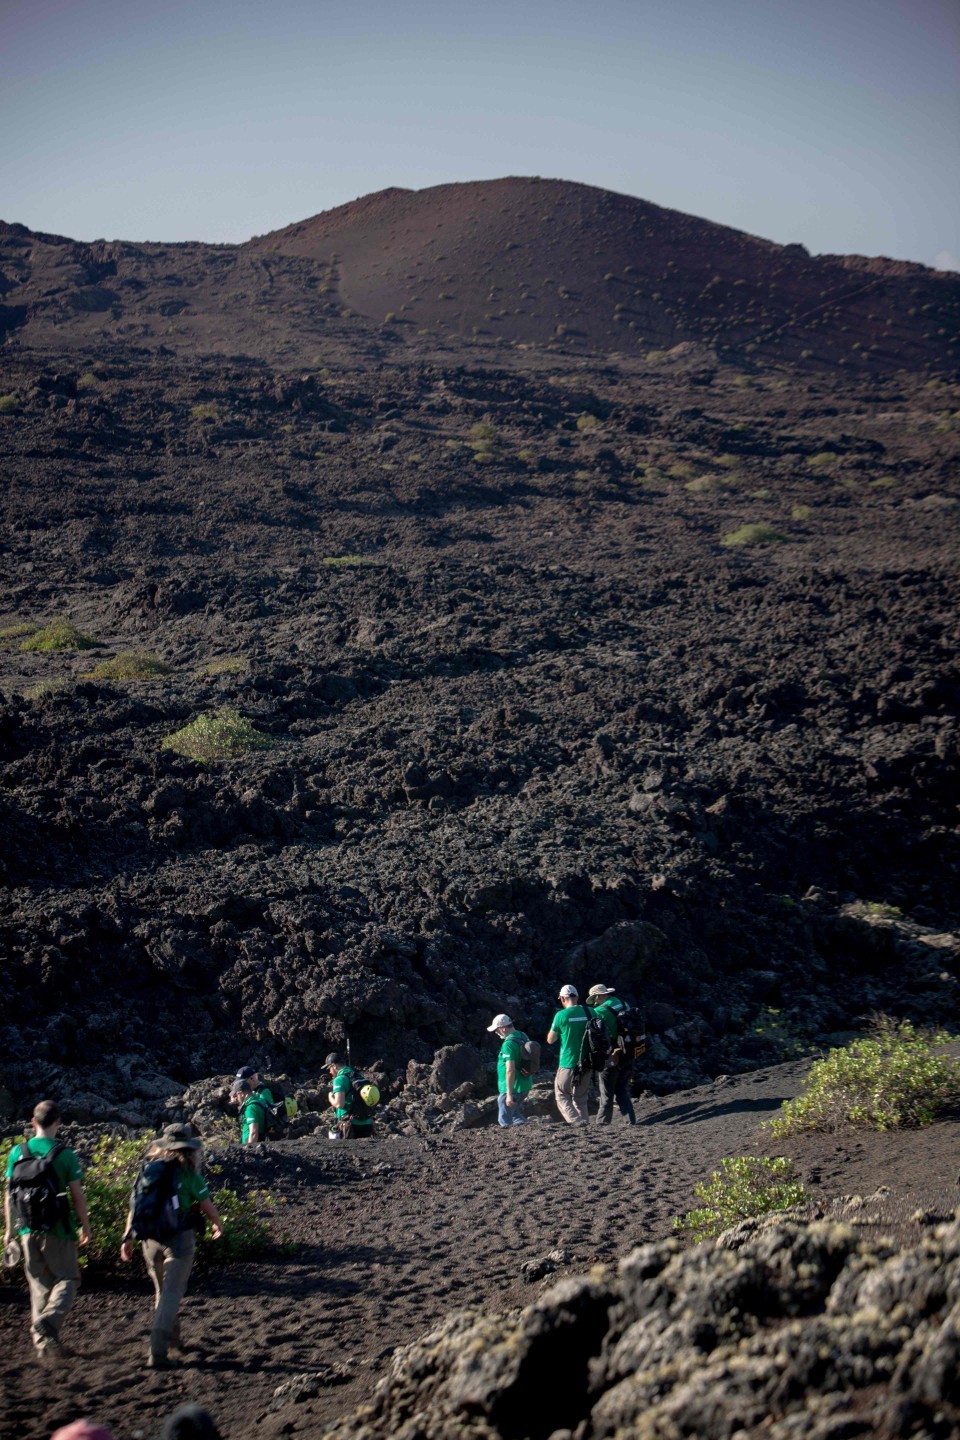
(370, 1095)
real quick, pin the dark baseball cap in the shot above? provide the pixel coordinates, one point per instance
(333, 1059)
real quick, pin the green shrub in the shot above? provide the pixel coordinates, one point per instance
(8, 404)
(762, 494)
(884, 482)
(107, 1182)
(217, 735)
(586, 423)
(60, 634)
(700, 486)
(822, 460)
(801, 512)
(226, 665)
(682, 471)
(11, 635)
(205, 414)
(891, 1079)
(46, 689)
(742, 1188)
(128, 667)
(757, 534)
(345, 562)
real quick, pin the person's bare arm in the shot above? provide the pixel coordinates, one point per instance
(83, 1214)
(510, 1071)
(552, 1037)
(213, 1215)
(8, 1219)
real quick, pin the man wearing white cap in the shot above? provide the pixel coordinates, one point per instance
(512, 1087)
(569, 1026)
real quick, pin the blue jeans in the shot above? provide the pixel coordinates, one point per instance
(512, 1115)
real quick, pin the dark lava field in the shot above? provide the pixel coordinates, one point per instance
(600, 620)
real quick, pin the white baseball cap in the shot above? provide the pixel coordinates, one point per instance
(568, 992)
(500, 1022)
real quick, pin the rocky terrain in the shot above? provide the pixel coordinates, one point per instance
(598, 618)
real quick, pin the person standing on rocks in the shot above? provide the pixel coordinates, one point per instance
(44, 1194)
(569, 1026)
(354, 1120)
(616, 1076)
(512, 1087)
(169, 1256)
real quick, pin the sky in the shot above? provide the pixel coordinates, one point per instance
(835, 123)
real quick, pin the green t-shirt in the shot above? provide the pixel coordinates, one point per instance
(254, 1112)
(571, 1025)
(191, 1188)
(511, 1050)
(264, 1093)
(608, 1012)
(66, 1167)
(342, 1095)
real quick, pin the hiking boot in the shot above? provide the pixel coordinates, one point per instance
(160, 1362)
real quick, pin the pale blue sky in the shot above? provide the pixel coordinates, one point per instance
(831, 122)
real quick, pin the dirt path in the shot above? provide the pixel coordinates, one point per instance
(392, 1236)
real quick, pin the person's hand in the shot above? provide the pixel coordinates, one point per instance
(509, 1100)
(126, 1250)
(84, 1236)
(216, 1231)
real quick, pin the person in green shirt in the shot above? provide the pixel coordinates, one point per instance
(50, 1259)
(616, 1076)
(253, 1115)
(258, 1086)
(512, 1087)
(169, 1263)
(570, 1087)
(354, 1121)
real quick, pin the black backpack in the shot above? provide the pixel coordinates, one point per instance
(529, 1057)
(631, 1040)
(360, 1111)
(278, 1119)
(155, 1202)
(35, 1193)
(595, 1049)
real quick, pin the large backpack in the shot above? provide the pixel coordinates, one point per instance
(631, 1041)
(529, 1057)
(281, 1112)
(35, 1193)
(360, 1111)
(595, 1049)
(155, 1202)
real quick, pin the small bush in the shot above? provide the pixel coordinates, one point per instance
(47, 689)
(801, 512)
(205, 414)
(757, 534)
(128, 667)
(701, 486)
(762, 494)
(586, 423)
(60, 634)
(11, 635)
(226, 665)
(345, 562)
(892, 1079)
(822, 460)
(742, 1188)
(217, 735)
(8, 405)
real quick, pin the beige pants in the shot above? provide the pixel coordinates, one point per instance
(53, 1272)
(169, 1268)
(571, 1098)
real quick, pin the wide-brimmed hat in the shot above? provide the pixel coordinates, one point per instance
(179, 1137)
(600, 990)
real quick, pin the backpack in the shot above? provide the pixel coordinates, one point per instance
(529, 1057)
(631, 1041)
(281, 1112)
(35, 1194)
(595, 1049)
(155, 1202)
(360, 1111)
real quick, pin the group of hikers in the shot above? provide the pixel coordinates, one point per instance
(170, 1203)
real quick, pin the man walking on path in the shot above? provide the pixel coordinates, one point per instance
(45, 1197)
(354, 1119)
(253, 1116)
(512, 1087)
(569, 1026)
(615, 1077)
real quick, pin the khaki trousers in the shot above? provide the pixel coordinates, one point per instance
(53, 1273)
(169, 1268)
(571, 1097)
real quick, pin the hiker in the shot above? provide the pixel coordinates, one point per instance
(44, 1194)
(616, 1076)
(512, 1086)
(354, 1116)
(253, 1116)
(571, 1085)
(165, 1208)
(258, 1086)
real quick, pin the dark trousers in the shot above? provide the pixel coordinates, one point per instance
(614, 1084)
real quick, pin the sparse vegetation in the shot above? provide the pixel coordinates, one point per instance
(586, 423)
(743, 1187)
(345, 562)
(701, 486)
(128, 667)
(759, 533)
(801, 512)
(896, 1077)
(59, 634)
(47, 689)
(822, 460)
(206, 413)
(8, 405)
(218, 734)
(11, 635)
(226, 665)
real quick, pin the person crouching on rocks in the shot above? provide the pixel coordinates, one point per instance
(354, 1119)
(512, 1087)
(167, 1201)
(253, 1116)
